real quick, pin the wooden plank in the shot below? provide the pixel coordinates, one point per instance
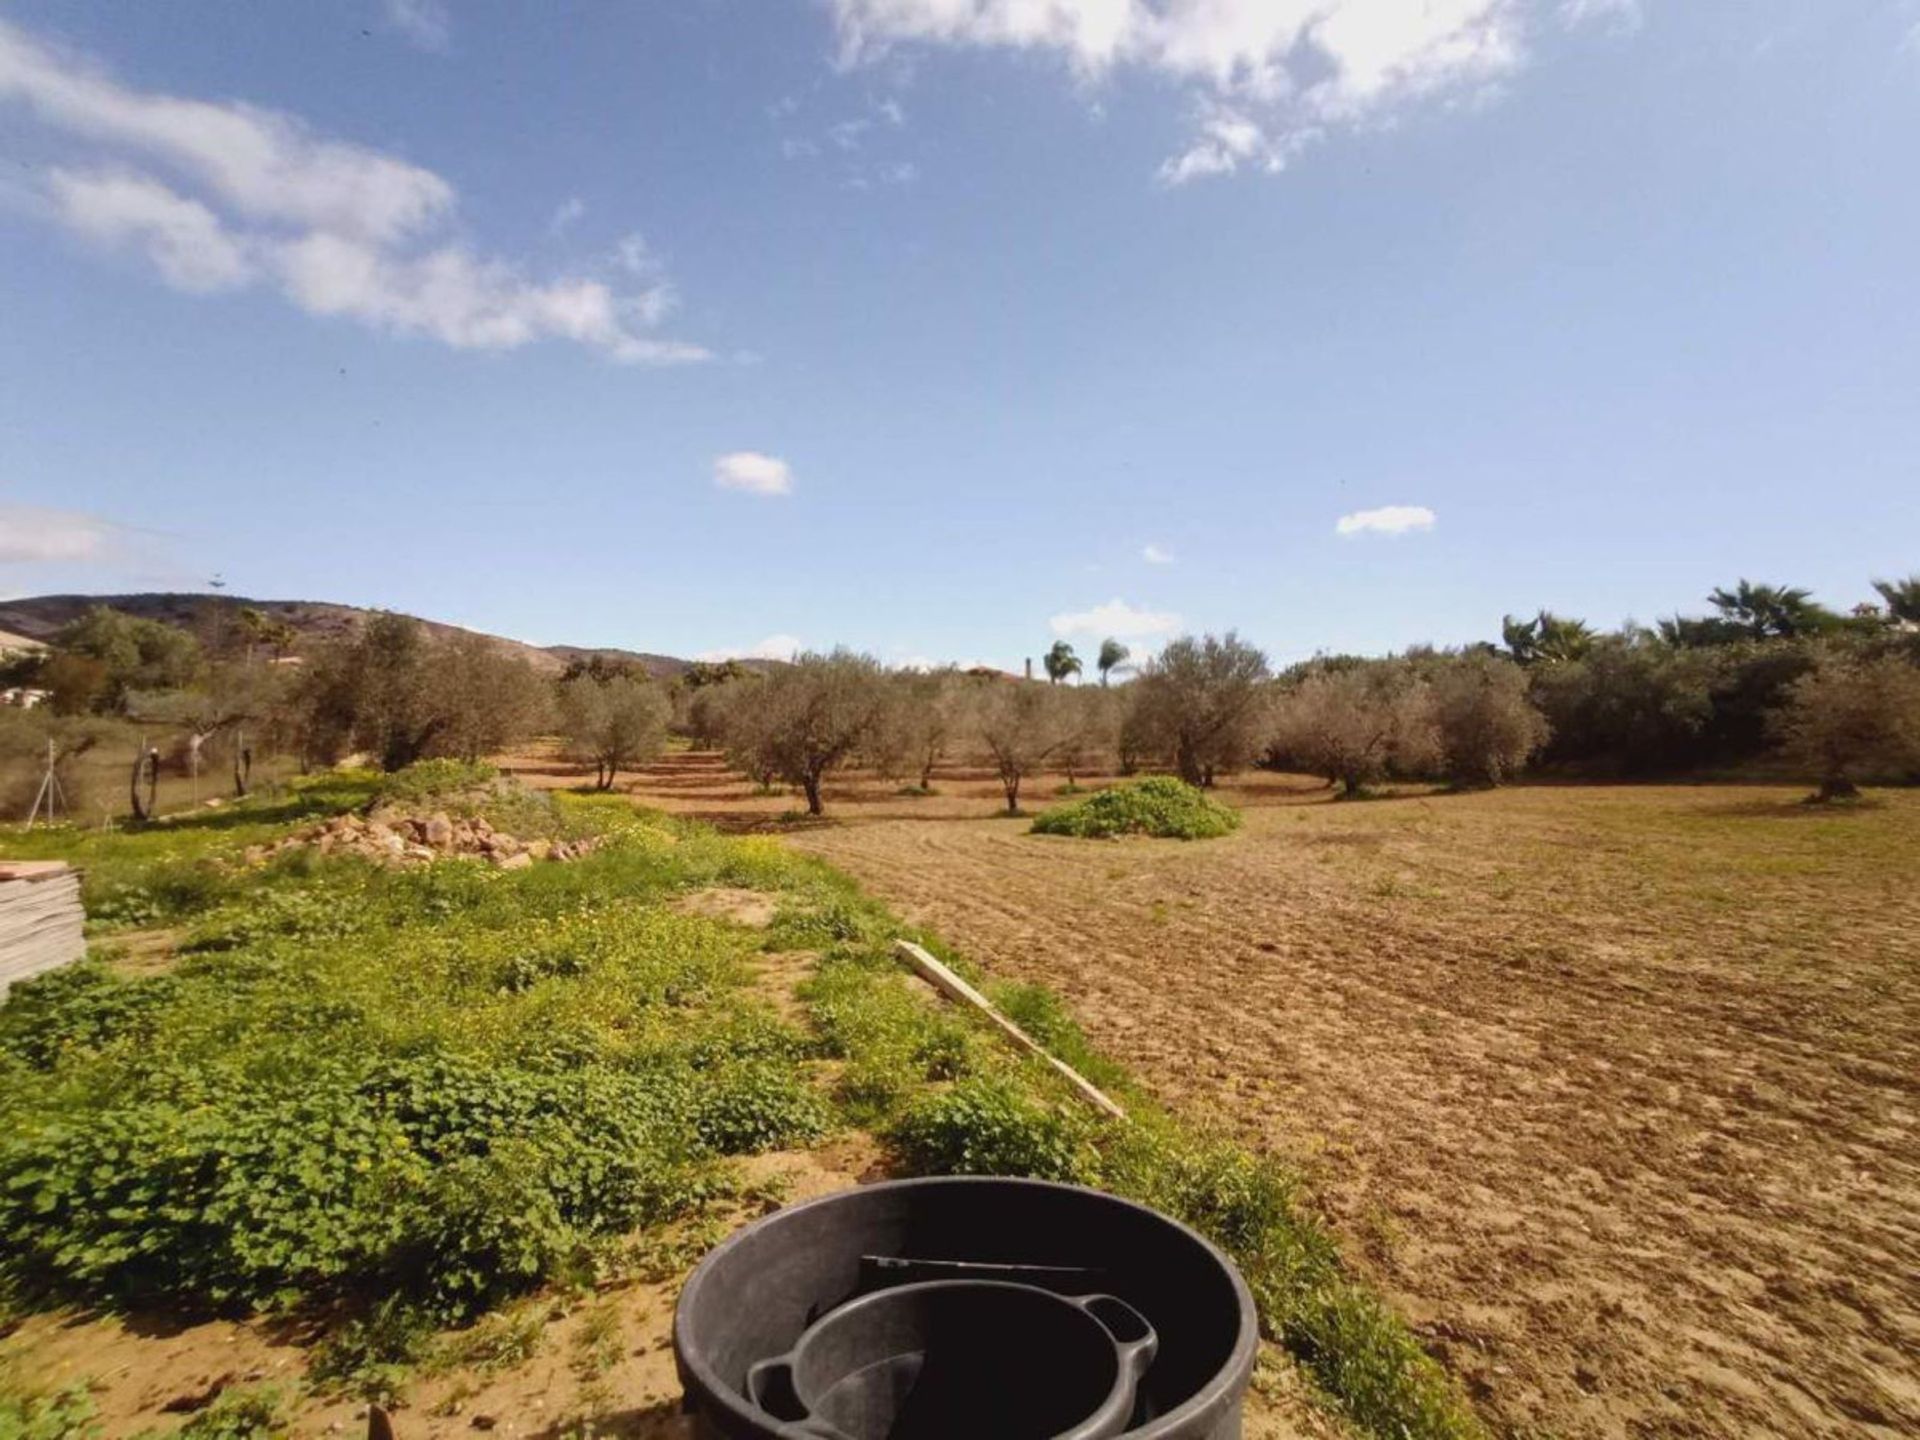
(953, 987)
(41, 922)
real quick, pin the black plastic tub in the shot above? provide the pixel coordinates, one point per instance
(756, 1297)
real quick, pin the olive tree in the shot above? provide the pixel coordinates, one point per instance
(917, 724)
(1353, 724)
(1485, 725)
(815, 715)
(1014, 726)
(1089, 722)
(611, 724)
(1851, 715)
(490, 698)
(1202, 701)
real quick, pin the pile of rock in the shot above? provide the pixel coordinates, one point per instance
(392, 837)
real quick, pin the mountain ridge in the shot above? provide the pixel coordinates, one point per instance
(41, 617)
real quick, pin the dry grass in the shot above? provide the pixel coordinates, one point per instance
(1612, 1089)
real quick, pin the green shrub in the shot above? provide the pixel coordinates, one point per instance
(447, 1084)
(1159, 806)
(746, 1108)
(29, 1412)
(990, 1126)
(434, 779)
(238, 1413)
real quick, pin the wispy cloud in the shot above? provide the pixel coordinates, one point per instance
(1116, 618)
(1387, 520)
(567, 215)
(850, 143)
(34, 535)
(753, 472)
(1622, 15)
(1269, 76)
(425, 23)
(1156, 554)
(774, 647)
(242, 196)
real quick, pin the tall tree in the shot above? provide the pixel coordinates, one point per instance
(1850, 716)
(396, 717)
(134, 654)
(1014, 726)
(613, 724)
(818, 713)
(490, 698)
(1060, 662)
(1112, 656)
(917, 724)
(1765, 612)
(1902, 599)
(1204, 698)
(1545, 639)
(1485, 725)
(1354, 724)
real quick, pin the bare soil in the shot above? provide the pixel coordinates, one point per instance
(1612, 1089)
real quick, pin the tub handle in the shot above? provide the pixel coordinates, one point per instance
(1133, 1335)
(770, 1388)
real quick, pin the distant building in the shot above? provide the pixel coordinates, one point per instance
(24, 698)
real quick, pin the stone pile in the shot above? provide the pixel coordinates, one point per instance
(392, 837)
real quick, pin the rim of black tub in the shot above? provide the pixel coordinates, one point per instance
(766, 1281)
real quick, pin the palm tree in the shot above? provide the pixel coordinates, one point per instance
(1547, 637)
(1061, 662)
(1767, 611)
(1112, 656)
(1902, 597)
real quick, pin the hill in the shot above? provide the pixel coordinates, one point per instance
(314, 622)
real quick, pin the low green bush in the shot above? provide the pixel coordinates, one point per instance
(446, 1084)
(434, 779)
(989, 1125)
(31, 1412)
(1160, 806)
(238, 1413)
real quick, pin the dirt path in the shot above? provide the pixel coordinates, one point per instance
(1614, 1090)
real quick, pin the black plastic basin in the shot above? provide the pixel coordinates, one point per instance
(946, 1359)
(776, 1290)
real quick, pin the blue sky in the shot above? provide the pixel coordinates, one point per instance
(941, 327)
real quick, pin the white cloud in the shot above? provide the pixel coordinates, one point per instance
(567, 215)
(1156, 554)
(846, 135)
(753, 472)
(336, 228)
(774, 647)
(184, 239)
(425, 22)
(1116, 618)
(1622, 15)
(31, 534)
(1271, 75)
(1387, 520)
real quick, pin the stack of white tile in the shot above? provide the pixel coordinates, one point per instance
(40, 918)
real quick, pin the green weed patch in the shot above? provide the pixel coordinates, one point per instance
(1159, 806)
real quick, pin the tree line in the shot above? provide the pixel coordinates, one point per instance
(1766, 673)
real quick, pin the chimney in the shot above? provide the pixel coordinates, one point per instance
(1029, 667)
